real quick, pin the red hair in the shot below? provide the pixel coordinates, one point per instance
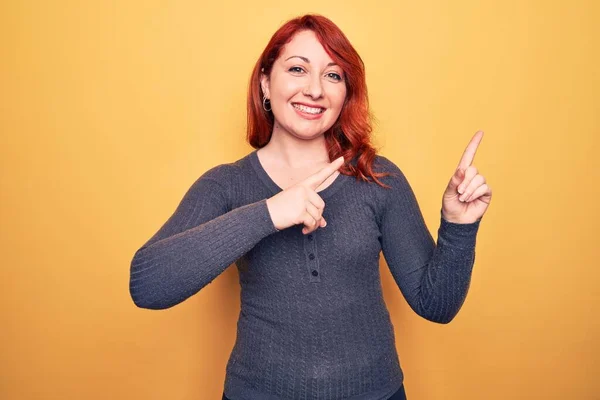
(350, 135)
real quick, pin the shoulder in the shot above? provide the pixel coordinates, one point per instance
(382, 164)
(398, 184)
(220, 181)
(228, 173)
(221, 173)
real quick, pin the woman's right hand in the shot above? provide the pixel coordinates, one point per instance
(300, 203)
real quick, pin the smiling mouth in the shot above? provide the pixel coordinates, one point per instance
(308, 110)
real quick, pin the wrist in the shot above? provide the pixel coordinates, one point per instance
(458, 219)
(271, 214)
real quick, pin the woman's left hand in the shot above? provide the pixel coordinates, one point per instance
(467, 196)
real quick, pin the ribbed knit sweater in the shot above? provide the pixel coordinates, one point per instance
(313, 322)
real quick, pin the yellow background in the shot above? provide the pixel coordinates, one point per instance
(110, 110)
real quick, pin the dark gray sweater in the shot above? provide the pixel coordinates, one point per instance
(313, 322)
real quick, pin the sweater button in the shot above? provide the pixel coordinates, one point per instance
(310, 237)
(311, 256)
(315, 273)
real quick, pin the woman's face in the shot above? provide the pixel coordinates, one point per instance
(306, 88)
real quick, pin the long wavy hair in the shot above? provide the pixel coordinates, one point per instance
(350, 135)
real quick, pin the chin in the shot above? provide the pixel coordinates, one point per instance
(308, 134)
(311, 132)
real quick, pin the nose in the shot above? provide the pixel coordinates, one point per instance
(314, 88)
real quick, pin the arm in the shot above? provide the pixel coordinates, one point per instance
(197, 243)
(434, 279)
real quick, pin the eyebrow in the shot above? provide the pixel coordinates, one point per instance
(306, 60)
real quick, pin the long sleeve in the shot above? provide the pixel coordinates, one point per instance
(197, 243)
(434, 278)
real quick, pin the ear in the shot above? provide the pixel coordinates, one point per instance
(264, 84)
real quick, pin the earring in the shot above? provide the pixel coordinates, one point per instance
(265, 101)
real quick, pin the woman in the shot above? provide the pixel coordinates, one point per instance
(306, 233)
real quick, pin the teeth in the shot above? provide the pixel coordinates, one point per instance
(310, 110)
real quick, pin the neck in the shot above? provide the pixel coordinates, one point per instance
(289, 151)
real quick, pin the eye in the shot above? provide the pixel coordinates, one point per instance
(296, 69)
(334, 76)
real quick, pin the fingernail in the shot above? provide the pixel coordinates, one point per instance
(461, 189)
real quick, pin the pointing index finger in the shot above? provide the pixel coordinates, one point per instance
(469, 153)
(316, 179)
